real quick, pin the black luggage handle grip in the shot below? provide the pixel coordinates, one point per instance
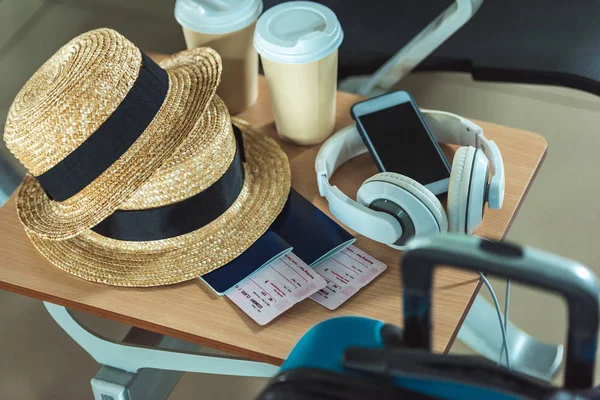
(574, 281)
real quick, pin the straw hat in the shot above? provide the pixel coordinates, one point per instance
(206, 205)
(95, 122)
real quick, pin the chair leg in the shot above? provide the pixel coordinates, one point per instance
(147, 384)
(128, 358)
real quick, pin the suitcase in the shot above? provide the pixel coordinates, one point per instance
(355, 358)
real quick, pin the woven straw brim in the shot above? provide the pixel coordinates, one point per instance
(193, 78)
(122, 263)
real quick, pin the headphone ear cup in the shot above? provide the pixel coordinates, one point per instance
(429, 204)
(457, 199)
(466, 191)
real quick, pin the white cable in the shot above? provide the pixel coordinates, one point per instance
(500, 319)
(506, 305)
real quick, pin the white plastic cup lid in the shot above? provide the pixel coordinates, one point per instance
(297, 32)
(217, 16)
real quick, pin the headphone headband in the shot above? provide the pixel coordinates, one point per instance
(341, 147)
(453, 129)
(446, 128)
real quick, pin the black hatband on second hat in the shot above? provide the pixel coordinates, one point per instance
(184, 216)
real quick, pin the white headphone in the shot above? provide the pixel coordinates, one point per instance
(392, 208)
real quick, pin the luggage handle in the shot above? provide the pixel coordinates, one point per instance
(574, 281)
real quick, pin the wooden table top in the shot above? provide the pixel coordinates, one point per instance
(190, 311)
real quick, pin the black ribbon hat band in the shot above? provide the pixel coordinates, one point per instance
(112, 139)
(182, 217)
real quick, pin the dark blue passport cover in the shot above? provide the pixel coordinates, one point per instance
(309, 230)
(265, 250)
(313, 236)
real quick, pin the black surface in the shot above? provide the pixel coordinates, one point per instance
(318, 384)
(401, 142)
(470, 372)
(392, 336)
(534, 41)
(501, 248)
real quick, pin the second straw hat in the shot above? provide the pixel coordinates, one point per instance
(95, 122)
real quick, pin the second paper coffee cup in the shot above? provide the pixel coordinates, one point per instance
(228, 27)
(298, 44)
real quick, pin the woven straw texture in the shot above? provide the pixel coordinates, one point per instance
(200, 161)
(70, 96)
(123, 263)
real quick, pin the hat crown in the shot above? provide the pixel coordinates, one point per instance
(70, 97)
(197, 163)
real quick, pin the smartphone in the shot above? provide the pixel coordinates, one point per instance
(395, 132)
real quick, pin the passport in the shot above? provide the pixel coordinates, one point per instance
(301, 227)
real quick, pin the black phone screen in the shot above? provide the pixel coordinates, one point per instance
(402, 144)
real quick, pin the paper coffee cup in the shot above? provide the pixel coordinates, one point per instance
(228, 27)
(298, 44)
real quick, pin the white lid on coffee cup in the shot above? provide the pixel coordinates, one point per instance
(297, 32)
(217, 16)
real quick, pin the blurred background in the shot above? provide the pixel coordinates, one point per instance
(40, 361)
